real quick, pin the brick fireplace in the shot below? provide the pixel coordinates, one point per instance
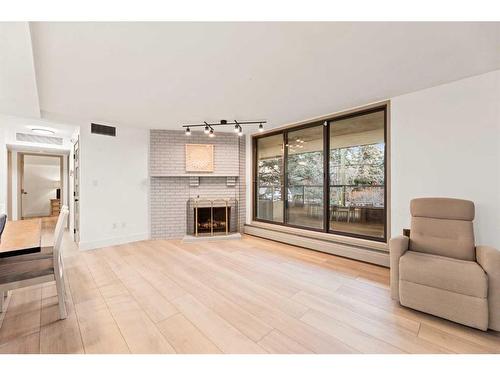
(173, 191)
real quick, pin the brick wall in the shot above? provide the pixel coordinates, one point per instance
(168, 153)
(170, 189)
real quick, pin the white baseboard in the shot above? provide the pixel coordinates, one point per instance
(89, 245)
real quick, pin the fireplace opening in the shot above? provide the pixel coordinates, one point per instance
(205, 223)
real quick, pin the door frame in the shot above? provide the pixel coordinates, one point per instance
(353, 112)
(76, 190)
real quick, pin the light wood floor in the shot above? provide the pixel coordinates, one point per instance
(246, 296)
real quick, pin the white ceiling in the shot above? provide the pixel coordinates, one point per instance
(159, 75)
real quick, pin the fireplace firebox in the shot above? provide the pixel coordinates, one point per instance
(210, 220)
(207, 217)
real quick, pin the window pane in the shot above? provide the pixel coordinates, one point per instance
(269, 178)
(357, 175)
(305, 177)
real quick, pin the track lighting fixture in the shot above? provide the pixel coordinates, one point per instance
(209, 128)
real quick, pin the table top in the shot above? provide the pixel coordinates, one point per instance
(21, 237)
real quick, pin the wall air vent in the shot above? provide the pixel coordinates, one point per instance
(103, 129)
(33, 138)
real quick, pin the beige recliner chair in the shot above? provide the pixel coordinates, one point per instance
(439, 270)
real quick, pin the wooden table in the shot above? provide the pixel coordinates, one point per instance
(21, 237)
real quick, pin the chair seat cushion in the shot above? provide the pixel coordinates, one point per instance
(458, 276)
(29, 269)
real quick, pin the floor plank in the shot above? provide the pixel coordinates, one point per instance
(140, 333)
(218, 330)
(58, 336)
(454, 343)
(353, 337)
(29, 344)
(99, 331)
(185, 337)
(277, 343)
(23, 314)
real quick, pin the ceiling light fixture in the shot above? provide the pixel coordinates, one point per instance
(43, 131)
(209, 127)
(188, 131)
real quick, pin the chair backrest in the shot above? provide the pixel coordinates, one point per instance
(3, 220)
(58, 235)
(442, 226)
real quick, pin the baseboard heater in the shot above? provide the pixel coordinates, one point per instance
(378, 257)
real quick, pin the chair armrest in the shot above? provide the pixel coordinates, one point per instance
(397, 247)
(489, 259)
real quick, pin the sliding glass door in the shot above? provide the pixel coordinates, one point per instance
(304, 166)
(327, 176)
(269, 173)
(357, 175)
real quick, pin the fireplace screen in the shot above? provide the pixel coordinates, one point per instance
(212, 217)
(212, 220)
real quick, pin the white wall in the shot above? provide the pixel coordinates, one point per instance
(114, 205)
(446, 142)
(40, 174)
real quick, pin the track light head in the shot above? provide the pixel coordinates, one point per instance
(206, 130)
(211, 133)
(261, 127)
(188, 131)
(236, 128)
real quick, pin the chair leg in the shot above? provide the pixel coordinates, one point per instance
(61, 298)
(63, 283)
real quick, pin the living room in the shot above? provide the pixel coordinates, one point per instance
(250, 188)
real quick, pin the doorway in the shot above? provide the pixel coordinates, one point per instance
(41, 185)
